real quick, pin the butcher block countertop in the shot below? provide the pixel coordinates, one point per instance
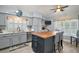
(44, 35)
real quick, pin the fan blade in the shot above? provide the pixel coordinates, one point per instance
(52, 9)
(65, 7)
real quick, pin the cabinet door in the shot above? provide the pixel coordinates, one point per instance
(35, 43)
(29, 36)
(15, 39)
(37, 24)
(23, 37)
(2, 19)
(48, 45)
(4, 42)
(40, 45)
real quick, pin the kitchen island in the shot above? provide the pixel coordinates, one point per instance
(43, 42)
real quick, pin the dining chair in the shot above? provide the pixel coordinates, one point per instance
(75, 38)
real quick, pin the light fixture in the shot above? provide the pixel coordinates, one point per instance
(59, 8)
(19, 13)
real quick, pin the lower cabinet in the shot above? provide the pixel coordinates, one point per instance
(34, 43)
(37, 44)
(4, 42)
(15, 39)
(40, 45)
(29, 37)
(23, 37)
(12, 39)
(19, 38)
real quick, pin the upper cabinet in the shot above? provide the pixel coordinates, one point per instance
(3, 18)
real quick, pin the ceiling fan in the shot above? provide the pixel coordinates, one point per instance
(59, 8)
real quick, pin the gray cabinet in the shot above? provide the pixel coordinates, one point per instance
(15, 39)
(23, 37)
(2, 19)
(29, 36)
(37, 24)
(19, 38)
(7, 40)
(4, 41)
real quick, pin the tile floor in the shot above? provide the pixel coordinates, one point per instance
(68, 48)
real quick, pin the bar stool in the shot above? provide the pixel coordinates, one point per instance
(61, 39)
(57, 42)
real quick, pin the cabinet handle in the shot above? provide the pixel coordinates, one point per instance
(4, 36)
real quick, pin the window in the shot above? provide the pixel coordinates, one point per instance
(68, 26)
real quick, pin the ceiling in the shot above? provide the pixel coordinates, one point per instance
(71, 11)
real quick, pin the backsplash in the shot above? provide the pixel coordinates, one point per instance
(13, 22)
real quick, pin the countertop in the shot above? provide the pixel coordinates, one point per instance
(11, 34)
(44, 35)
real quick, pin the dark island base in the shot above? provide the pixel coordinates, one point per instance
(40, 45)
